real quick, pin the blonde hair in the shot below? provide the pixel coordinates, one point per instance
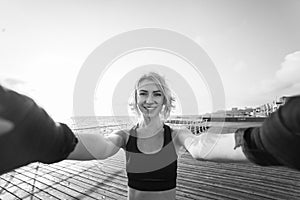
(161, 83)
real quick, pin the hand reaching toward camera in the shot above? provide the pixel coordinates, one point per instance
(28, 134)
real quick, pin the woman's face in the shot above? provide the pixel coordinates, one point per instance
(150, 98)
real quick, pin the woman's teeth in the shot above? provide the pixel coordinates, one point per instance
(149, 108)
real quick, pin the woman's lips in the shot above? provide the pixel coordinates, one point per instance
(149, 108)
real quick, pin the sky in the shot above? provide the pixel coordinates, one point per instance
(253, 45)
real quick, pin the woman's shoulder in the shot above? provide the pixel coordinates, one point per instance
(179, 135)
(123, 134)
(180, 132)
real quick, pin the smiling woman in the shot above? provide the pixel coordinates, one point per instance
(151, 146)
(152, 95)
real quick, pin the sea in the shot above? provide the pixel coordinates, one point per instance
(107, 124)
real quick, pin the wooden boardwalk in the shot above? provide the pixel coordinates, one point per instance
(107, 180)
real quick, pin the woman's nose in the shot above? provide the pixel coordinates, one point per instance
(149, 99)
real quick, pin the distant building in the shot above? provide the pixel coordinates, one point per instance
(249, 111)
(260, 111)
(268, 108)
(235, 112)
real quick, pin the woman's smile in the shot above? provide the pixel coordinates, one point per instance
(149, 98)
(150, 108)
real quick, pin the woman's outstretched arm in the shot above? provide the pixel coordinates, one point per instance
(211, 146)
(97, 146)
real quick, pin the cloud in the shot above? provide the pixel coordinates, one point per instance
(13, 82)
(290, 69)
(286, 80)
(17, 84)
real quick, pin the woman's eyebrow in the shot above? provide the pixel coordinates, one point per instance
(156, 91)
(143, 90)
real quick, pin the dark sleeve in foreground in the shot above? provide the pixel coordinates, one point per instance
(277, 141)
(35, 136)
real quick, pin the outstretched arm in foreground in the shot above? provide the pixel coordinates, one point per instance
(28, 134)
(276, 142)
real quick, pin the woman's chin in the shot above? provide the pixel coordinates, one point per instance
(151, 114)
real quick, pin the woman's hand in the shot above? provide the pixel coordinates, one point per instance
(219, 147)
(214, 147)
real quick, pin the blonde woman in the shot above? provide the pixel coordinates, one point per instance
(151, 146)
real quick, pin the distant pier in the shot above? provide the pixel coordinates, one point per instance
(199, 125)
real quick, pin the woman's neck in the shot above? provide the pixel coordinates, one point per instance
(148, 121)
(150, 126)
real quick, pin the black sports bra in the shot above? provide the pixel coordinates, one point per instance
(151, 172)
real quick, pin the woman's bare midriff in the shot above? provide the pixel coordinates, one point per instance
(134, 194)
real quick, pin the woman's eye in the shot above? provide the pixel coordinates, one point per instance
(157, 94)
(142, 94)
